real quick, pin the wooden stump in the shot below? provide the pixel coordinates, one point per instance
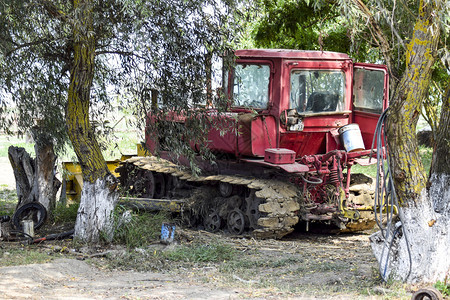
(35, 177)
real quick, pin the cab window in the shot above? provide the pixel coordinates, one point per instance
(314, 91)
(368, 90)
(251, 86)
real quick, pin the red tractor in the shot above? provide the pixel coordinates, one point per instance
(301, 120)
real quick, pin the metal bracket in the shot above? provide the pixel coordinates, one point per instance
(352, 214)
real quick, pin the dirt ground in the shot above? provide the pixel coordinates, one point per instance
(75, 279)
(300, 267)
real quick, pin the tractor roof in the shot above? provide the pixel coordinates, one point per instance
(291, 54)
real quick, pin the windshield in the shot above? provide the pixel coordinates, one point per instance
(317, 90)
(251, 86)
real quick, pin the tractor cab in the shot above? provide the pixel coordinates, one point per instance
(298, 100)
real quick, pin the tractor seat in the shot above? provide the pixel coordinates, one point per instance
(322, 101)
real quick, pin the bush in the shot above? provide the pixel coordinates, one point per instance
(65, 214)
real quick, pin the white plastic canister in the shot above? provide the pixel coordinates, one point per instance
(351, 137)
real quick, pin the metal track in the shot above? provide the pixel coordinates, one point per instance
(278, 202)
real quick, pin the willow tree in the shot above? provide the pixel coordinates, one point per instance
(32, 97)
(410, 36)
(305, 25)
(95, 51)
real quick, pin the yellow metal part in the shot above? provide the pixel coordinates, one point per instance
(74, 179)
(345, 212)
(386, 208)
(354, 213)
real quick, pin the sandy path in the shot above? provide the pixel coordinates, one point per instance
(74, 279)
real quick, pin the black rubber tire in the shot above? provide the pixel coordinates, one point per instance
(27, 208)
(427, 293)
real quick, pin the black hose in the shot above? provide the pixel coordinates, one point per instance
(387, 256)
(29, 237)
(385, 194)
(55, 236)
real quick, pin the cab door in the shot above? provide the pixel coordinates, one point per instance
(370, 97)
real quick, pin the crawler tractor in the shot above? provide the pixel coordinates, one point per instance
(301, 120)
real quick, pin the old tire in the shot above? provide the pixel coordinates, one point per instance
(427, 293)
(38, 211)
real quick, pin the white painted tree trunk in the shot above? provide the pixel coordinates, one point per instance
(94, 218)
(426, 228)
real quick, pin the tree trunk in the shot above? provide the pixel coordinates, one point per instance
(440, 187)
(415, 250)
(46, 182)
(24, 172)
(94, 219)
(441, 157)
(35, 178)
(406, 104)
(440, 173)
(99, 195)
